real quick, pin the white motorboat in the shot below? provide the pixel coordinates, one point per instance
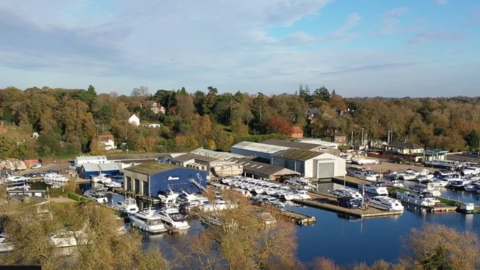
(129, 206)
(300, 183)
(265, 199)
(66, 238)
(407, 176)
(459, 184)
(440, 182)
(5, 245)
(296, 195)
(467, 207)
(188, 197)
(97, 196)
(14, 179)
(377, 188)
(101, 178)
(346, 192)
(470, 170)
(390, 203)
(17, 185)
(368, 175)
(168, 196)
(473, 187)
(113, 184)
(148, 220)
(173, 220)
(217, 205)
(394, 183)
(429, 187)
(421, 199)
(55, 177)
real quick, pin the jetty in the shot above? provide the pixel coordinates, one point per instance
(329, 202)
(297, 218)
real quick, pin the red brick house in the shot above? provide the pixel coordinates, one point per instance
(297, 132)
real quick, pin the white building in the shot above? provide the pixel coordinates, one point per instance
(91, 159)
(319, 142)
(134, 120)
(106, 142)
(311, 164)
(260, 150)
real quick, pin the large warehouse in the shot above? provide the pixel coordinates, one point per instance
(148, 179)
(260, 150)
(261, 170)
(87, 170)
(311, 164)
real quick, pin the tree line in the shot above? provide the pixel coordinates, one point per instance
(69, 121)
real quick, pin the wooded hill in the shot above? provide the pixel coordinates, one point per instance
(69, 120)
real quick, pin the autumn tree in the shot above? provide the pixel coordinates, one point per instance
(279, 126)
(438, 247)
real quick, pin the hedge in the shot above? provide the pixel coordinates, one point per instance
(78, 198)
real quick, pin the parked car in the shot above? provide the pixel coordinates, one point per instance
(15, 171)
(36, 166)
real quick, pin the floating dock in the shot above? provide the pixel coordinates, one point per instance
(329, 203)
(442, 208)
(298, 218)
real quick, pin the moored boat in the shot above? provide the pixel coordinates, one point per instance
(147, 220)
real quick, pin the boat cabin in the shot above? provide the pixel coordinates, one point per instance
(349, 202)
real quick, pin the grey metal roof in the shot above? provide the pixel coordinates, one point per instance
(260, 147)
(261, 168)
(297, 154)
(214, 154)
(290, 144)
(91, 167)
(189, 156)
(405, 145)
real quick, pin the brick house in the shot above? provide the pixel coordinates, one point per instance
(297, 132)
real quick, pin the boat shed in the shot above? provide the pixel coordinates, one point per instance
(86, 171)
(311, 164)
(148, 179)
(261, 170)
(90, 159)
(260, 150)
(295, 145)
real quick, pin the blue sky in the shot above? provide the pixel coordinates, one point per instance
(357, 47)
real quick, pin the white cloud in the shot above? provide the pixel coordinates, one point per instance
(391, 21)
(436, 35)
(441, 2)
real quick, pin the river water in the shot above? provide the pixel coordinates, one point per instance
(349, 241)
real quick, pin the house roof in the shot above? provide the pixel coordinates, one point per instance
(190, 156)
(297, 154)
(262, 168)
(105, 137)
(405, 145)
(297, 129)
(153, 168)
(290, 144)
(313, 111)
(259, 147)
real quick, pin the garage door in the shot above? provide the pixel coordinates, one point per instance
(325, 169)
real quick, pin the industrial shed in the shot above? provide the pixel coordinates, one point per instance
(90, 159)
(212, 165)
(294, 145)
(260, 150)
(215, 154)
(86, 171)
(311, 164)
(148, 179)
(263, 170)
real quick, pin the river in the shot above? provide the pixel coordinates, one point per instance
(349, 241)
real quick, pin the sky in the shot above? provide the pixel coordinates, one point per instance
(393, 48)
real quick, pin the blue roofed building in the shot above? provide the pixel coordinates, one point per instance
(149, 179)
(88, 170)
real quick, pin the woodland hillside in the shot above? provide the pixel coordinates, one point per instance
(69, 121)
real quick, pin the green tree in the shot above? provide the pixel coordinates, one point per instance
(321, 93)
(473, 140)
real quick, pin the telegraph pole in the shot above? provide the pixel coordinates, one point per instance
(362, 138)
